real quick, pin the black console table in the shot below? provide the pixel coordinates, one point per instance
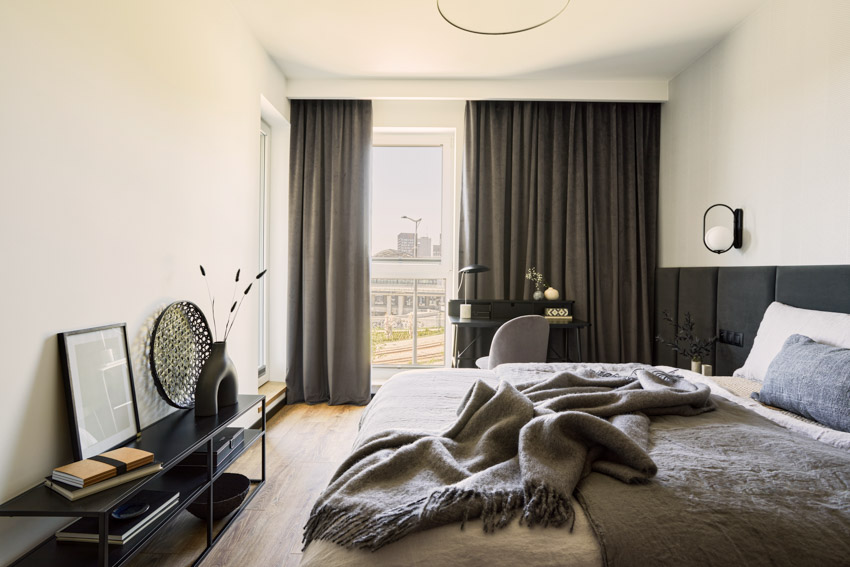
(171, 440)
(500, 311)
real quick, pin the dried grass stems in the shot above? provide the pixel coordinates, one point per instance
(685, 341)
(235, 306)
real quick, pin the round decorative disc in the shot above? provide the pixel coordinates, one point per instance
(180, 345)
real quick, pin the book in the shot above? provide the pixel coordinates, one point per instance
(122, 531)
(101, 467)
(559, 319)
(75, 492)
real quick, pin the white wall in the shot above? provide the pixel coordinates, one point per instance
(762, 123)
(128, 156)
(462, 90)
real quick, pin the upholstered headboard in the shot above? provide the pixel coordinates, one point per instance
(734, 299)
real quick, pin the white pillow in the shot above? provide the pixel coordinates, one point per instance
(780, 322)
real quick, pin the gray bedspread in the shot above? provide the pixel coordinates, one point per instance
(732, 489)
(513, 450)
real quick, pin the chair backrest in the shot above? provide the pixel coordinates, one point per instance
(524, 339)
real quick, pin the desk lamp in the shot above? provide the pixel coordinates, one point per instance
(466, 308)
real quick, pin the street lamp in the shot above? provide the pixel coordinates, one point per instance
(415, 234)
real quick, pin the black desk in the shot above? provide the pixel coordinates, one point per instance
(503, 311)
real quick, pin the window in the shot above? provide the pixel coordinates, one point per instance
(262, 260)
(412, 196)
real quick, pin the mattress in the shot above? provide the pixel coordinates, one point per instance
(428, 400)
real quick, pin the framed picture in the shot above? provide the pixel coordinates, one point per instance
(99, 390)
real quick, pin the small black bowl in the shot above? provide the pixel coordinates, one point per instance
(229, 490)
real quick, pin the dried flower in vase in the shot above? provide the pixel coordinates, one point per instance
(235, 306)
(536, 277)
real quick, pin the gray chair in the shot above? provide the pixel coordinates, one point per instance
(524, 339)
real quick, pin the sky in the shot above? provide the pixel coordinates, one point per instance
(405, 181)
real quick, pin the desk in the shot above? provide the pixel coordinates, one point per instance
(505, 310)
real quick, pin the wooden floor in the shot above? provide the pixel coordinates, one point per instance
(304, 445)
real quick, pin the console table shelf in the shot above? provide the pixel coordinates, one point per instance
(171, 440)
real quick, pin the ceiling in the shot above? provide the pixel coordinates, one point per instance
(408, 39)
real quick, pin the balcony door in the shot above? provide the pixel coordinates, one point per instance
(412, 247)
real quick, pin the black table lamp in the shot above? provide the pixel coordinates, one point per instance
(466, 309)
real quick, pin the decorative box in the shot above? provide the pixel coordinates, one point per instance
(556, 312)
(224, 443)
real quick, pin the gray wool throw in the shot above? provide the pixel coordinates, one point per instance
(514, 450)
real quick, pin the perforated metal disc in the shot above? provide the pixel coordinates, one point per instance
(180, 344)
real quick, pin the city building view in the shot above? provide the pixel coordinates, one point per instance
(408, 315)
(409, 248)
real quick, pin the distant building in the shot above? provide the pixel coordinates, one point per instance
(424, 250)
(405, 245)
(390, 253)
(436, 251)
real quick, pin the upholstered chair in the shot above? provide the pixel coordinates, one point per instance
(524, 339)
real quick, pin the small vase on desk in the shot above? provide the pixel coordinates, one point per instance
(217, 385)
(696, 365)
(538, 295)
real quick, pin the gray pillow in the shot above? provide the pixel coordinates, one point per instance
(810, 379)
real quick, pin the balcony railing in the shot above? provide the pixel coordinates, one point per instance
(401, 334)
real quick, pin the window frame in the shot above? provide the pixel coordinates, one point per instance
(423, 268)
(263, 238)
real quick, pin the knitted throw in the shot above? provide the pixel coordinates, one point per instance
(514, 450)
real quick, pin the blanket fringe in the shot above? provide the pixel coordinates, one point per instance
(357, 528)
(547, 507)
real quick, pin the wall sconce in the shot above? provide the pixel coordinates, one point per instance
(465, 308)
(720, 239)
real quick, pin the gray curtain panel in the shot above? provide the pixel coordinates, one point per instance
(570, 188)
(328, 357)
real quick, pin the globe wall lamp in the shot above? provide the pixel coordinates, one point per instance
(720, 238)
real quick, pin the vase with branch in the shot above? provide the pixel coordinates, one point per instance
(686, 342)
(538, 280)
(217, 385)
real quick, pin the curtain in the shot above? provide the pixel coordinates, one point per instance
(328, 357)
(570, 188)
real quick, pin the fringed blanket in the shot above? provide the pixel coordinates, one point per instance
(514, 450)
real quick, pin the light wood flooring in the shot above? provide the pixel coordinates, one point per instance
(304, 445)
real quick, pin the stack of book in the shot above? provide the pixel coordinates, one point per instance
(82, 478)
(128, 520)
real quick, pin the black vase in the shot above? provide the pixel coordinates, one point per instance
(217, 386)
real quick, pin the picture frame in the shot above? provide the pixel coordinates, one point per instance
(99, 390)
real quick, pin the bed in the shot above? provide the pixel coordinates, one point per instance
(744, 483)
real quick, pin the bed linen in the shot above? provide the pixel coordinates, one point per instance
(402, 405)
(739, 390)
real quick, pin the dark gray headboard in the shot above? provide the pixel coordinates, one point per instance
(734, 299)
